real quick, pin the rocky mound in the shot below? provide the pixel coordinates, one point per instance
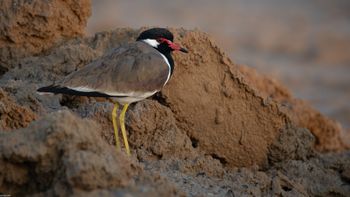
(30, 27)
(209, 132)
(330, 136)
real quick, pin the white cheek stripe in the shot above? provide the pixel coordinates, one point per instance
(167, 62)
(152, 42)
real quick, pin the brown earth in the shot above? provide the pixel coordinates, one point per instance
(12, 115)
(209, 132)
(330, 136)
(30, 27)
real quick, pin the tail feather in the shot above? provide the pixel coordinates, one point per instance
(55, 89)
(50, 89)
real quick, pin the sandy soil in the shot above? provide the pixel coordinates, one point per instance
(216, 129)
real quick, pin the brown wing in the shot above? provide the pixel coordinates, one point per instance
(136, 67)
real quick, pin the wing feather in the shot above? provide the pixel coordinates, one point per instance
(127, 70)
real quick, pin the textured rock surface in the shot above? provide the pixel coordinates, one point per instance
(55, 152)
(30, 27)
(209, 132)
(329, 134)
(216, 108)
(12, 115)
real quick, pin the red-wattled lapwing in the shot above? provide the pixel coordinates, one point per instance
(127, 74)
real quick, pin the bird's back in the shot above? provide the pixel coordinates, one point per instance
(135, 67)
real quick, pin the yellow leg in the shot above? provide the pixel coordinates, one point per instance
(122, 126)
(115, 126)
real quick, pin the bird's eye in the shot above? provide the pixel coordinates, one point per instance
(161, 40)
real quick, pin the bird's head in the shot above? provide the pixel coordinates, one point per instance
(160, 39)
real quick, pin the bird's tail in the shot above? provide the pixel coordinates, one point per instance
(52, 89)
(55, 89)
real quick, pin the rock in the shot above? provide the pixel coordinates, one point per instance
(328, 133)
(31, 27)
(292, 144)
(12, 115)
(243, 120)
(60, 152)
(318, 176)
(153, 128)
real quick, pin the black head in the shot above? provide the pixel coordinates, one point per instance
(156, 33)
(161, 39)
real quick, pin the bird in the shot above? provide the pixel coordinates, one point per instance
(126, 74)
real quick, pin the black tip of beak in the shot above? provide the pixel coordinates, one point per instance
(184, 50)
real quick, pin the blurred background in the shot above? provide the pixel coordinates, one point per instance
(303, 44)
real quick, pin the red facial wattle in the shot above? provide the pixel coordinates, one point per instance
(172, 45)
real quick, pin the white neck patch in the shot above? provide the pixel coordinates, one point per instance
(152, 42)
(167, 62)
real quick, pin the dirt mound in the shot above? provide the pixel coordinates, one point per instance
(54, 152)
(153, 128)
(209, 132)
(30, 27)
(188, 139)
(221, 113)
(328, 133)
